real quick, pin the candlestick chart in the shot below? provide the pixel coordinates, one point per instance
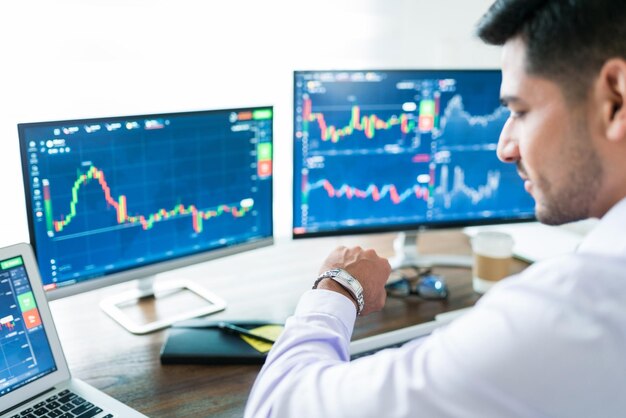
(135, 191)
(385, 149)
(119, 205)
(24, 348)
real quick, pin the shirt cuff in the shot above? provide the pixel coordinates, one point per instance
(322, 301)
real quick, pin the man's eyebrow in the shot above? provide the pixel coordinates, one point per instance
(506, 100)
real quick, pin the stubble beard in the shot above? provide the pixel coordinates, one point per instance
(572, 200)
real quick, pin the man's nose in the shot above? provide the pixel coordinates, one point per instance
(508, 149)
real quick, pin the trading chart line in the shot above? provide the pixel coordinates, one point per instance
(120, 206)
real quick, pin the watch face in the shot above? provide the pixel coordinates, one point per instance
(354, 283)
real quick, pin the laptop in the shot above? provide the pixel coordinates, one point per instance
(34, 377)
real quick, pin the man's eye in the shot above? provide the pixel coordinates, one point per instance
(517, 114)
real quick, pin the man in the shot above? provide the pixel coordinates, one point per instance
(549, 342)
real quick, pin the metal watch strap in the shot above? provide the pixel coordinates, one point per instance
(348, 282)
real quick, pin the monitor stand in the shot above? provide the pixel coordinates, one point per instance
(150, 307)
(407, 255)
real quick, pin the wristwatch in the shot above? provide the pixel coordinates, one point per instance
(346, 281)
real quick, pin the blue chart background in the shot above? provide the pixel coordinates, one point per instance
(194, 160)
(466, 138)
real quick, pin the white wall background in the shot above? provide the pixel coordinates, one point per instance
(69, 59)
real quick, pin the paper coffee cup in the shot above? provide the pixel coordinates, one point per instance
(492, 253)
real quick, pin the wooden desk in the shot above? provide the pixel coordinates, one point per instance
(262, 284)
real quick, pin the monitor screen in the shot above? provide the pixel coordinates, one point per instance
(26, 352)
(400, 150)
(114, 198)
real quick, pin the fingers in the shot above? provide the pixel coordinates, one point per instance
(352, 258)
(371, 270)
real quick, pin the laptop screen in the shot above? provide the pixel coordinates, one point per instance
(25, 352)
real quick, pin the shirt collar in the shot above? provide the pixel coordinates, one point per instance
(608, 237)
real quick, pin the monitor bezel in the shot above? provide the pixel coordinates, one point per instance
(414, 226)
(152, 268)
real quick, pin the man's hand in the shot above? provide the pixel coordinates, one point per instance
(367, 267)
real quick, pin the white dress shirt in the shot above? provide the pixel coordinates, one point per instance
(548, 342)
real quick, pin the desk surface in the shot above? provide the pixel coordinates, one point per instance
(262, 284)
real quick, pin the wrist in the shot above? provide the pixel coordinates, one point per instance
(348, 283)
(330, 284)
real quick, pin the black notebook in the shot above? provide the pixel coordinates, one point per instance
(209, 345)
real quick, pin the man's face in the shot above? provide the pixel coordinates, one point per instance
(548, 139)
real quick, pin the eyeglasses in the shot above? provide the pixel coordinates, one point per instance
(416, 281)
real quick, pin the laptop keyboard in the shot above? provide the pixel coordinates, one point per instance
(65, 404)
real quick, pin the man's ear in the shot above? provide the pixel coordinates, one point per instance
(611, 87)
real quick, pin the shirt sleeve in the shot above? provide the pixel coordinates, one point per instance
(316, 336)
(485, 364)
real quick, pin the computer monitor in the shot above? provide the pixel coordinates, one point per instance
(401, 150)
(123, 198)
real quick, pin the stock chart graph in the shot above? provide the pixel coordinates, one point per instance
(112, 193)
(24, 349)
(395, 149)
(120, 207)
(338, 189)
(367, 125)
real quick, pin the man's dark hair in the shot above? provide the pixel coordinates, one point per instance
(567, 41)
